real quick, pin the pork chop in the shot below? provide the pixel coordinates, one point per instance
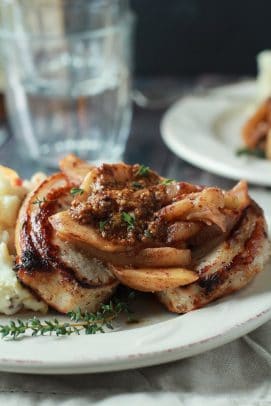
(64, 276)
(227, 268)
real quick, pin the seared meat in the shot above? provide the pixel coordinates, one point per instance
(83, 231)
(152, 232)
(64, 276)
(227, 268)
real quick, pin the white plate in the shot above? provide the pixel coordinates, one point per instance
(159, 338)
(205, 131)
(164, 338)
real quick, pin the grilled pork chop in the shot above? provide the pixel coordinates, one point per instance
(188, 244)
(226, 268)
(64, 276)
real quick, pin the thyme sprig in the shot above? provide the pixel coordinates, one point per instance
(167, 181)
(129, 219)
(257, 152)
(39, 201)
(143, 171)
(76, 191)
(81, 322)
(137, 185)
(147, 234)
(102, 225)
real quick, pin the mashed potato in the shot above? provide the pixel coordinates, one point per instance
(13, 296)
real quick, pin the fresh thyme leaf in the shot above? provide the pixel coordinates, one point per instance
(143, 170)
(258, 153)
(102, 224)
(137, 185)
(76, 191)
(167, 181)
(39, 201)
(147, 234)
(81, 322)
(128, 218)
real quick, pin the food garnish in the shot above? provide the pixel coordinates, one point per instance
(39, 201)
(143, 170)
(76, 191)
(80, 322)
(128, 218)
(147, 234)
(257, 152)
(102, 224)
(137, 185)
(167, 181)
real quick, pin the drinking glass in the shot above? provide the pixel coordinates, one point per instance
(68, 76)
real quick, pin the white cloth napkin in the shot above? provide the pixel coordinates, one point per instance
(238, 373)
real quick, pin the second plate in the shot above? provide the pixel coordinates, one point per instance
(205, 131)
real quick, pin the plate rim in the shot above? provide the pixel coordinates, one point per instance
(139, 360)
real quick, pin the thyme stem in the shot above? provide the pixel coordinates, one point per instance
(89, 323)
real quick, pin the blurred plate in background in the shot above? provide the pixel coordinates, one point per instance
(205, 131)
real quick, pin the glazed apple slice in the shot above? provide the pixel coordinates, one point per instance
(154, 280)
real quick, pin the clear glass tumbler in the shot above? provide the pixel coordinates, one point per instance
(68, 76)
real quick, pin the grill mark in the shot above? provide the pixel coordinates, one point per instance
(233, 233)
(210, 283)
(66, 278)
(42, 231)
(246, 257)
(31, 260)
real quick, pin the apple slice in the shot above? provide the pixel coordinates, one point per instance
(75, 168)
(154, 280)
(71, 230)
